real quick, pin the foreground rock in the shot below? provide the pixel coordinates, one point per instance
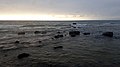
(23, 55)
(74, 33)
(17, 42)
(108, 34)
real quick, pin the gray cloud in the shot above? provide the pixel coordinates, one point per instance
(103, 9)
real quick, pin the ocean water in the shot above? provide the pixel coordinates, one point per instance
(92, 50)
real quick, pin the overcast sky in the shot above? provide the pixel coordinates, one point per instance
(95, 9)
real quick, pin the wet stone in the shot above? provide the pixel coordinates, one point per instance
(58, 47)
(58, 36)
(39, 41)
(86, 33)
(21, 33)
(37, 32)
(108, 34)
(23, 55)
(17, 42)
(74, 33)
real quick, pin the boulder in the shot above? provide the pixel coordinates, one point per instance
(58, 47)
(74, 33)
(21, 33)
(39, 41)
(23, 55)
(86, 33)
(17, 42)
(37, 32)
(74, 23)
(58, 36)
(58, 32)
(108, 34)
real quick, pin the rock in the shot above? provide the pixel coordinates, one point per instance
(108, 34)
(58, 32)
(17, 42)
(40, 41)
(37, 32)
(58, 36)
(74, 23)
(74, 33)
(23, 55)
(86, 33)
(58, 47)
(21, 33)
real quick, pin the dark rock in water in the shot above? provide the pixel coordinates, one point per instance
(74, 23)
(17, 42)
(86, 33)
(108, 34)
(58, 47)
(21, 33)
(58, 36)
(58, 32)
(37, 32)
(23, 55)
(74, 33)
(39, 41)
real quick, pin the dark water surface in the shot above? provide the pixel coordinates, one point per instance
(92, 50)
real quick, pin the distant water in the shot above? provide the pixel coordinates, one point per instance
(11, 24)
(94, 49)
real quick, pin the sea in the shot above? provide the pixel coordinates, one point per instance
(93, 50)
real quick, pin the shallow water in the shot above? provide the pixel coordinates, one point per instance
(84, 50)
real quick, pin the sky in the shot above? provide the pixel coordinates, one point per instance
(59, 9)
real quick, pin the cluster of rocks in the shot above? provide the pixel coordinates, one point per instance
(74, 33)
(58, 36)
(35, 32)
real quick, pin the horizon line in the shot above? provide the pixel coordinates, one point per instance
(61, 20)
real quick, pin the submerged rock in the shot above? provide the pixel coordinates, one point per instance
(108, 34)
(74, 23)
(37, 32)
(86, 33)
(58, 47)
(58, 36)
(39, 41)
(21, 33)
(17, 42)
(23, 55)
(74, 33)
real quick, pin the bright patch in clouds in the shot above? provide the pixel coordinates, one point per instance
(41, 17)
